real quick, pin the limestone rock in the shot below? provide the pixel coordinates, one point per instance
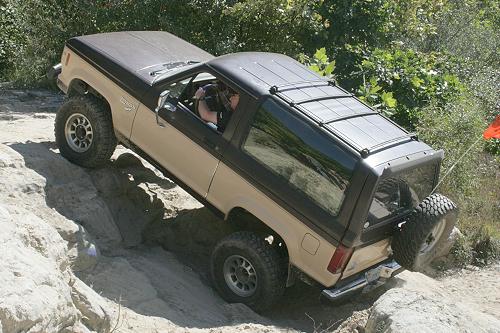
(34, 294)
(91, 306)
(420, 304)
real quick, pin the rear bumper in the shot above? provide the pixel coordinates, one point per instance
(53, 74)
(364, 281)
(54, 71)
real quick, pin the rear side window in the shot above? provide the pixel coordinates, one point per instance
(301, 155)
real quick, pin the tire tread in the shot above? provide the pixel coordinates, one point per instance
(103, 125)
(407, 242)
(270, 261)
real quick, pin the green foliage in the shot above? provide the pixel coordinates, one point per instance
(486, 249)
(467, 29)
(472, 177)
(400, 82)
(319, 62)
(493, 146)
(461, 252)
(285, 26)
(199, 22)
(455, 127)
(10, 38)
(36, 30)
(396, 81)
(371, 92)
(376, 22)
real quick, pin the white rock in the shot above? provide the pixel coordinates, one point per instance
(34, 294)
(91, 306)
(420, 304)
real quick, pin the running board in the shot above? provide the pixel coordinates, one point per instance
(367, 281)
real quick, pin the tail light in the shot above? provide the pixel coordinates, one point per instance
(339, 259)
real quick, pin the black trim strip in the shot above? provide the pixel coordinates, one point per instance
(317, 99)
(382, 145)
(276, 88)
(124, 78)
(349, 117)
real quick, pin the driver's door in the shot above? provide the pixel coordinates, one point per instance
(178, 140)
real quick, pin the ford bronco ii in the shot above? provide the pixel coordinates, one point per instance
(314, 183)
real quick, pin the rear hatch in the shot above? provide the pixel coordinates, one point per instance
(394, 198)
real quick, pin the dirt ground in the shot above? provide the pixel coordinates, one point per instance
(147, 241)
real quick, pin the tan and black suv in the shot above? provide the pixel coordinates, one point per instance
(313, 183)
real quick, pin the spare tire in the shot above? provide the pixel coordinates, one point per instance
(425, 233)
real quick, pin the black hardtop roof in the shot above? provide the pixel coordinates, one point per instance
(137, 52)
(304, 91)
(128, 57)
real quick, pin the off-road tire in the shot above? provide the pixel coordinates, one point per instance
(103, 142)
(434, 212)
(263, 257)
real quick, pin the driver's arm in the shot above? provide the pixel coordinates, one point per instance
(203, 109)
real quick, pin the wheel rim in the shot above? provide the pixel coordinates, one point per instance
(240, 276)
(433, 237)
(79, 133)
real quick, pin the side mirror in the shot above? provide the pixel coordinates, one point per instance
(163, 104)
(162, 100)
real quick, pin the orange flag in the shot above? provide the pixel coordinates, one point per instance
(493, 132)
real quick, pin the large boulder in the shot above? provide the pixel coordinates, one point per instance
(34, 291)
(421, 304)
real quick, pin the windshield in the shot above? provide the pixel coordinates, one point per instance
(400, 193)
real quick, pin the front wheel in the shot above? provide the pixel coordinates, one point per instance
(247, 269)
(84, 131)
(425, 233)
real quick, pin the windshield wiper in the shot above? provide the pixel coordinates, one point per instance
(171, 66)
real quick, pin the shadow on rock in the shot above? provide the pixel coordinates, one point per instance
(118, 207)
(111, 203)
(191, 234)
(115, 204)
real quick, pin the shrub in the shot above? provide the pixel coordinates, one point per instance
(284, 26)
(472, 177)
(461, 252)
(10, 39)
(401, 82)
(319, 62)
(485, 248)
(396, 81)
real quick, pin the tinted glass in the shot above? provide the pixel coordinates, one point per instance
(400, 193)
(305, 158)
(177, 88)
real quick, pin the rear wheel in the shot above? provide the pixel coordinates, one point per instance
(247, 269)
(425, 233)
(84, 131)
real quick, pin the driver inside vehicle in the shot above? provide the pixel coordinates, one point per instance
(216, 103)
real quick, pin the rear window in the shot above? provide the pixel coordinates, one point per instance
(302, 156)
(401, 193)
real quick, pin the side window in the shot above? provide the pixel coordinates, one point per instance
(207, 97)
(301, 155)
(178, 87)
